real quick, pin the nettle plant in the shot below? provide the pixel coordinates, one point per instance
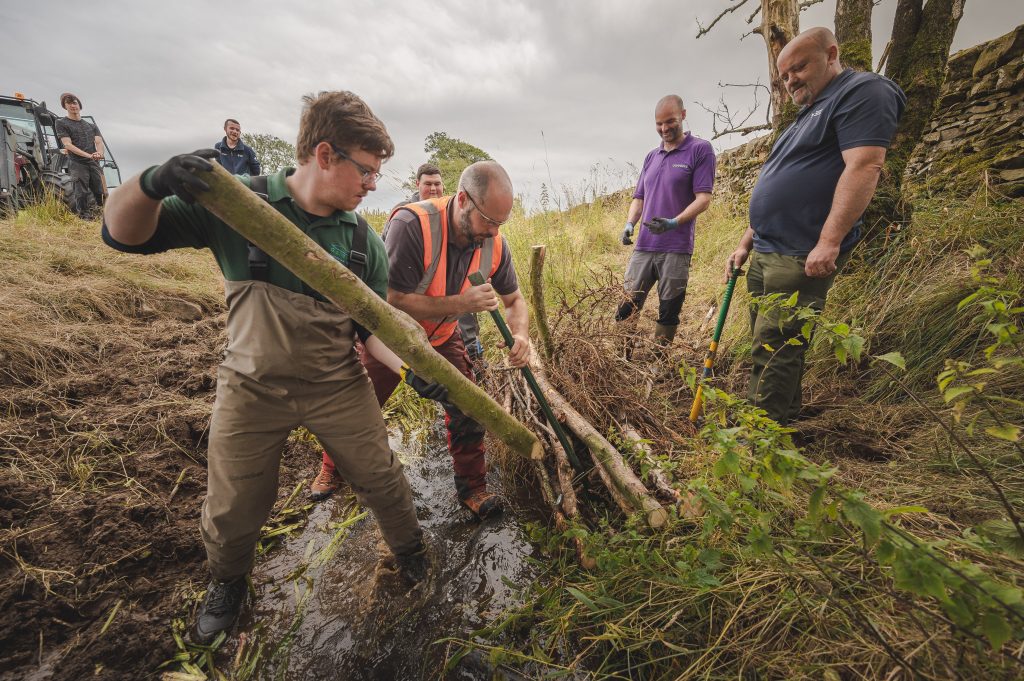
(760, 473)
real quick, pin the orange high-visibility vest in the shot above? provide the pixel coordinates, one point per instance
(433, 216)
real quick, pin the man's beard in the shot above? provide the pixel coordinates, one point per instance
(466, 228)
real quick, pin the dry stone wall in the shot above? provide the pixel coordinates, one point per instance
(975, 138)
(977, 133)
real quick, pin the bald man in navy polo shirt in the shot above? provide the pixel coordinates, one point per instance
(674, 188)
(806, 208)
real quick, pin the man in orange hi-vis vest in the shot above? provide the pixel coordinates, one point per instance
(433, 246)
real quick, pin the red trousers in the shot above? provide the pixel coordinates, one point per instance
(465, 436)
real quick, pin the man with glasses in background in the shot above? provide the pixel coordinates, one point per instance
(462, 234)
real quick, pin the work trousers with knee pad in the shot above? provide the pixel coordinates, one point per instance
(671, 271)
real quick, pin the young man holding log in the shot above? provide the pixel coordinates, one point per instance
(291, 356)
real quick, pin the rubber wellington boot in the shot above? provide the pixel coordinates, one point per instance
(663, 336)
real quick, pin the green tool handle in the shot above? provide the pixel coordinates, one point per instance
(734, 274)
(477, 279)
(709, 359)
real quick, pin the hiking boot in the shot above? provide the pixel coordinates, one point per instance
(482, 503)
(219, 609)
(325, 483)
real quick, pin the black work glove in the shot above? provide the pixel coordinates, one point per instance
(661, 225)
(430, 391)
(627, 232)
(177, 176)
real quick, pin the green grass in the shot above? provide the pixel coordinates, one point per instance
(694, 603)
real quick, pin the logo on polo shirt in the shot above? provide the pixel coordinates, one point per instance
(684, 166)
(816, 113)
(339, 253)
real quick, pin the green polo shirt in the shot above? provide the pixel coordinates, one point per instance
(182, 226)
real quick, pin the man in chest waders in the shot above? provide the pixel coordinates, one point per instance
(290, 359)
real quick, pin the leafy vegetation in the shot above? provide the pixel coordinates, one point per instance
(809, 561)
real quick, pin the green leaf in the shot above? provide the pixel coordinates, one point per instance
(840, 351)
(865, 517)
(791, 301)
(955, 392)
(1007, 431)
(1004, 535)
(582, 598)
(893, 358)
(996, 630)
(814, 507)
(900, 510)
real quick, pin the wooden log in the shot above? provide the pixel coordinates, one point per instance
(540, 314)
(263, 226)
(626, 489)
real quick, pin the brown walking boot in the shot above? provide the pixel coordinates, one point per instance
(325, 483)
(482, 503)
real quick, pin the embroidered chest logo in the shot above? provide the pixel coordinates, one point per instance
(816, 113)
(684, 166)
(339, 253)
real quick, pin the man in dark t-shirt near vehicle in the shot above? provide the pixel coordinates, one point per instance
(462, 233)
(84, 145)
(807, 204)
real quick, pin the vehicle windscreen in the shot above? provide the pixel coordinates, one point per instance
(16, 115)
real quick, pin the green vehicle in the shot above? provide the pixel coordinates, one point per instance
(33, 163)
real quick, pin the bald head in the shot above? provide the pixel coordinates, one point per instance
(669, 101)
(483, 203)
(808, 63)
(486, 180)
(818, 38)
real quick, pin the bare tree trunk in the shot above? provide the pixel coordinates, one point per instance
(853, 31)
(254, 219)
(921, 36)
(780, 23)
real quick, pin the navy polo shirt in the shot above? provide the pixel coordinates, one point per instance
(793, 194)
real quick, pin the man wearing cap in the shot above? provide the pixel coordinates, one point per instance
(674, 188)
(84, 145)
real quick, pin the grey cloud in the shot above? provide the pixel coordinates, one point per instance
(161, 77)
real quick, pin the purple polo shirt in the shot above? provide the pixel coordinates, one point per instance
(669, 182)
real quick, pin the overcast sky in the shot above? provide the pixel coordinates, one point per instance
(558, 91)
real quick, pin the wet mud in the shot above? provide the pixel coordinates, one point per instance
(321, 611)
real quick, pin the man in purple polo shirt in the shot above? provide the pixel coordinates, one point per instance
(674, 188)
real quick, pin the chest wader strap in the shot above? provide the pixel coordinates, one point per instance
(259, 261)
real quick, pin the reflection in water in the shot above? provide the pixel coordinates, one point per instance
(344, 627)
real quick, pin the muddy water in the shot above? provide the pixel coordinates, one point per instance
(337, 621)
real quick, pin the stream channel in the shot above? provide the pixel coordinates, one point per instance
(332, 622)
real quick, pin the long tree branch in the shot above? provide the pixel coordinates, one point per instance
(728, 10)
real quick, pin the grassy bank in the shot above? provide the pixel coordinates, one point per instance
(879, 548)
